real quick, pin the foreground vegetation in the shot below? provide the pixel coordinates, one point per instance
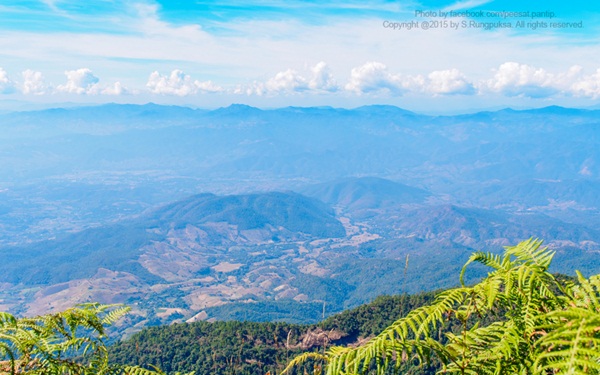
(535, 325)
(520, 319)
(234, 347)
(69, 342)
(74, 341)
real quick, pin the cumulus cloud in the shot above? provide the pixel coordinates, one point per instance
(514, 79)
(510, 79)
(374, 77)
(208, 87)
(6, 85)
(322, 79)
(80, 81)
(178, 83)
(318, 80)
(587, 85)
(370, 78)
(33, 83)
(288, 81)
(115, 89)
(449, 82)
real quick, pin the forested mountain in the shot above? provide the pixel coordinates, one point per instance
(69, 169)
(355, 194)
(240, 212)
(227, 347)
(519, 318)
(195, 249)
(274, 256)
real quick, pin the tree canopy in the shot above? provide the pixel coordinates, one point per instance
(520, 319)
(65, 343)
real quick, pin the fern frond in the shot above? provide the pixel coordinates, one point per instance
(137, 370)
(49, 344)
(586, 293)
(112, 316)
(572, 344)
(407, 335)
(529, 252)
(7, 320)
(495, 261)
(302, 358)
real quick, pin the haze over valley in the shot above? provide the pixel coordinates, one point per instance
(289, 213)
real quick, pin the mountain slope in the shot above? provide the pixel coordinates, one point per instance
(140, 156)
(76, 174)
(119, 246)
(205, 237)
(291, 211)
(365, 193)
(255, 348)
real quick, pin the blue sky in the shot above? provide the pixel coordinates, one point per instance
(273, 53)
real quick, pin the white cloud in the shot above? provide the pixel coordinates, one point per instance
(370, 78)
(6, 85)
(322, 79)
(587, 86)
(514, 79)
(374, 77)
(208, 87)
(33, 83)
(80, 81)
(116, 89)
(286, 82)
(510, 79)
(449, 82)
(290, 81)
(178, 83)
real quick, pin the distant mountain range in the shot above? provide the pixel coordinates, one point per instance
(181, 212)
(277, 212)
(224, 220)
(366, 193)
(194, 256)
(242, 149)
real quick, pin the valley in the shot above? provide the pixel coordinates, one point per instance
(289, 214)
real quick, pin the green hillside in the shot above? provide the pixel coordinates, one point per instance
(519, 319)
(355, 194)
(227, 347)
(289, 210)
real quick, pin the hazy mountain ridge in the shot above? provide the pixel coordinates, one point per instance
(366, 193)
(195, 245)
(291, 211)
(194, 255)
(432, 187)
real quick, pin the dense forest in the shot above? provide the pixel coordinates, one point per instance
(235, 347)
(520, 318)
